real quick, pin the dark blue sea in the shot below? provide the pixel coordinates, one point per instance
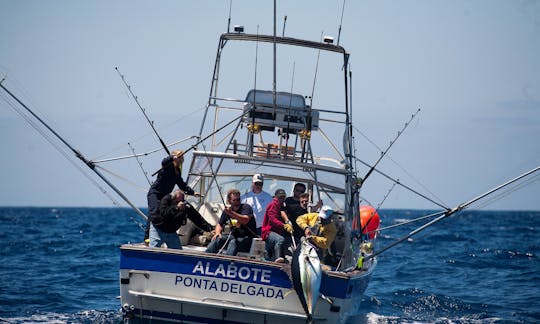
(60, 265)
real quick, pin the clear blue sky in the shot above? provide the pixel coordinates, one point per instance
(473, 67)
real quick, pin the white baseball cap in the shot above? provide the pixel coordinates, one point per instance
(326, 212)
(257, 177)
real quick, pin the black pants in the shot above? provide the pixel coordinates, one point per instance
(153, 208)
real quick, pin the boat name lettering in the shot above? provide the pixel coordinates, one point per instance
(233, 272)
(228, 287)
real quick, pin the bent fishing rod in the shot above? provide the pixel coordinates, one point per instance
(151, 123)
(453, 211)
(77, 153)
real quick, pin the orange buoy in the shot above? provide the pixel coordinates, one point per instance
(369, 220)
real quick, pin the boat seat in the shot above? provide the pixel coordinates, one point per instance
(210, 212)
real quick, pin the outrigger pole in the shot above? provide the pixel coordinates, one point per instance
(453, 211)
(78, 154)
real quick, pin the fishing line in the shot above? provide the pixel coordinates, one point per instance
(58, 148)
(413, 178)
(383, 153)
(509, 191)
(403, 185)
(208, 136)
(456, 209)
(126, 180)
(122, 146)
(77, 153)
(408, 222)
(142, 154)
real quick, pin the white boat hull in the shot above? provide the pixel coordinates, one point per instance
(191, 286)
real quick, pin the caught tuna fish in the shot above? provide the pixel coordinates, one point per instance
(306, 275)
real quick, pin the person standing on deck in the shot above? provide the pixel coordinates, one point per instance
(258, 199)
(173, 213)
(169, 175)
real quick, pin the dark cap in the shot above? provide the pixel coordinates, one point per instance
(280, 192)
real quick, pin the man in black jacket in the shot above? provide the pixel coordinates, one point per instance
(168, 176)
(173, 213)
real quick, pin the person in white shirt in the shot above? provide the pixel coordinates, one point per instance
(258, 199)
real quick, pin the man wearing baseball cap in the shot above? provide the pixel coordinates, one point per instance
(258, 199)
(276, 230)
(319, 228)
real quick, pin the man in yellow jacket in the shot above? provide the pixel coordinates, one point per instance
(319, 228)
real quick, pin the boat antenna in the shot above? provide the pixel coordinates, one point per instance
(77, 153)
(353, 139)
(140, 163)
(389, 146)
(274, 86)
(229, 20)
(453, 211)
(340, 22)
(151, 123)
(253, 129)
(284, 24)
(316, 72)
(289, 113)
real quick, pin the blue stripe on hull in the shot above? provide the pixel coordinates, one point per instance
(217, 268)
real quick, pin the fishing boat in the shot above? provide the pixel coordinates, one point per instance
(283, 132)
(288, 138)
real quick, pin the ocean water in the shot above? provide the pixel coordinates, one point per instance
(60, 265)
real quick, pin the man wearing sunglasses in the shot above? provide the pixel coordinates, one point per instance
(297, 205)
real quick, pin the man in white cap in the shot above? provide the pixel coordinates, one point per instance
(258, 199)
(319, 228)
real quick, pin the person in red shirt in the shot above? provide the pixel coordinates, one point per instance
(276, 229)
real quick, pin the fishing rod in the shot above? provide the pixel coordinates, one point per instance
(194, 146)
(140, 164)
(77, 153)
(453, 211)
(389, 146)
(151, 123)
